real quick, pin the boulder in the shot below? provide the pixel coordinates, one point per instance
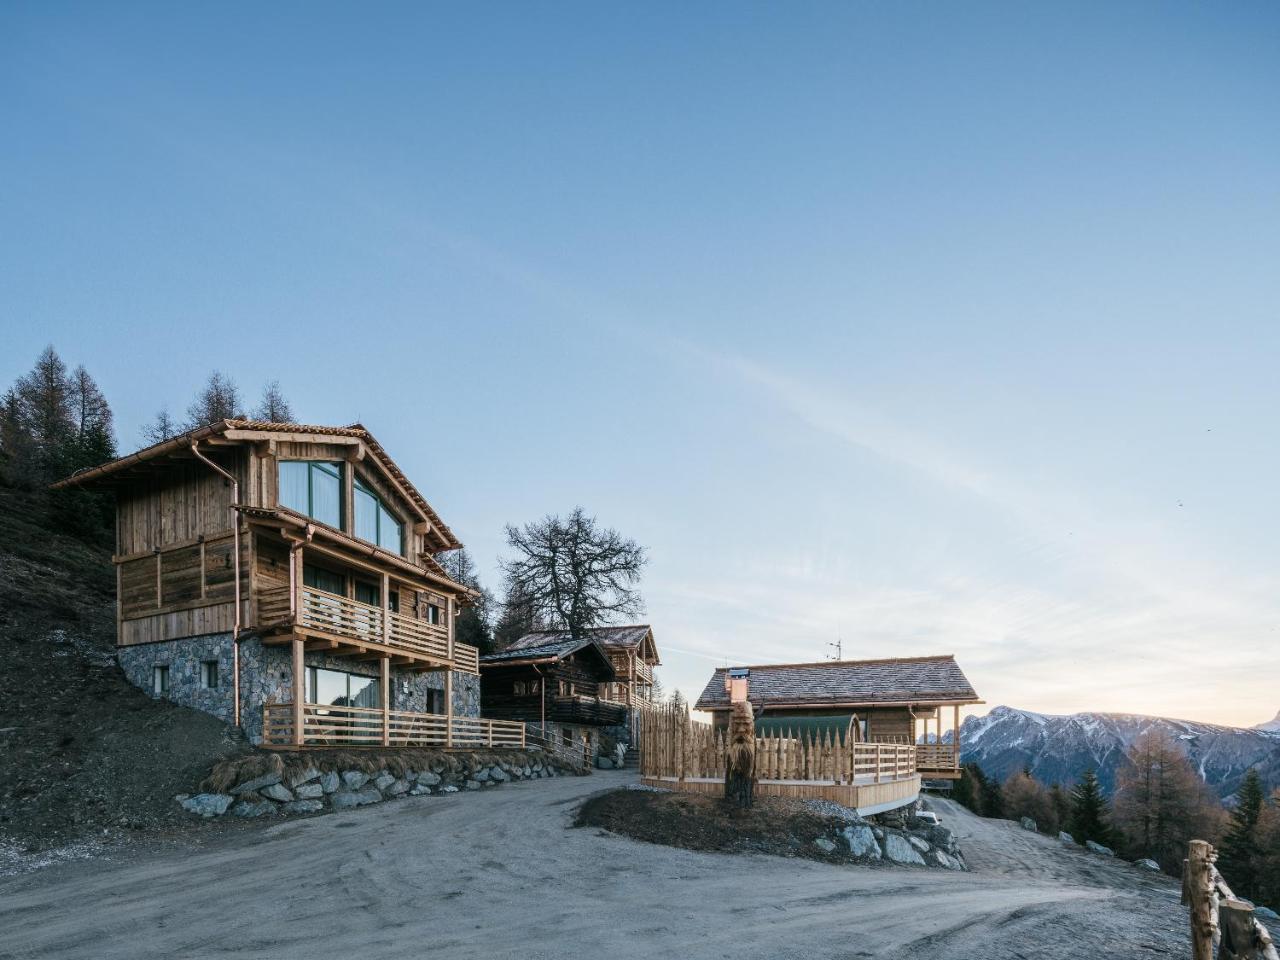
(943, 837)
(861, 841)
(920, 845)
(1094, 847)
(825, 845)
(329, 782)
(481, 775)
(1147, 864)
(303, 806)
(419, 789)
(942, 860)
(257, 783)
(346, 799)
(309, 791)
(207, 804)
(304, 776)
(897, 849)
(604, 763)
(473, 784)
(449, 789)
(396, 788)
(252, 808)
(429, 779)
(277, 791)
(383, 780)
(1028, 824)
(879, 834)
(498, 775)
(354, 779)
(1066, 837)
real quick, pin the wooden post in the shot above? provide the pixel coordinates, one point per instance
(299, 689)
(448, 708)
(295, 582)
(877, 763)
(1198, 892)
(385, 676)
(955, 738)
(1243, 938)
(386, 609)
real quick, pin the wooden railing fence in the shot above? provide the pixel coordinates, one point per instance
(674, 746)
(330, 726)
(1219, 915)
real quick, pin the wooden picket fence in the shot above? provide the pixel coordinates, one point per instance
(1217, 914)
(674, 746)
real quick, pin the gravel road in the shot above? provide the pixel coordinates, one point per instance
(497, 874)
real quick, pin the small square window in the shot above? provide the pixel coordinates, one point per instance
(160, 680)
(209, 674)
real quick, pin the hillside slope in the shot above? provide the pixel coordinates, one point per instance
(1058, 749)
(85, 751)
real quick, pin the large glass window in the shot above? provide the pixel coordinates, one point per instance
(374, 522)
(312, 487)
(335, 688)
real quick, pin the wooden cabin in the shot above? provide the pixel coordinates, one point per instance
(899, 701)
(283, 577)
(555, 683)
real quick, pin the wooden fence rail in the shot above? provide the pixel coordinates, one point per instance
(330, 726)
(1219, 915)
(675, 746)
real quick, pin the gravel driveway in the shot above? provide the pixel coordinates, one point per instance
(497, 875)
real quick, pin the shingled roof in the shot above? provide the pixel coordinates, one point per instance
(847, 682)
(556, 648)
(622, 638)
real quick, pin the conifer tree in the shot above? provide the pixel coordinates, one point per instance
(273, 406)
(1240, 856)
(993, 799)
(1089, 812)
(473, 624)
(1061, 805)
(162, 428)
(218, 400)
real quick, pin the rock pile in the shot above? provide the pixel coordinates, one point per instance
(899, 837)
(313, 789)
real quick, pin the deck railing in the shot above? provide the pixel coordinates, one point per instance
(331, 726)
(341, 616)
(936, 756)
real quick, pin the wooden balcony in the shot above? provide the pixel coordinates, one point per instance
(588, 710)
(333, 726)
(355, 628)
(937, 761)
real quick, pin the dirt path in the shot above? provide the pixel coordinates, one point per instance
(497, 875)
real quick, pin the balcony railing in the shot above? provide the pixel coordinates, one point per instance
(332, 614)
(332, 726)
(936, 757)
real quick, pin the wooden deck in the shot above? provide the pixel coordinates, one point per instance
(866, 797)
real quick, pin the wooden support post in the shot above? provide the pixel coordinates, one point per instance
(295, 582)
(1242, 936)
(448, 708)
(385, 676)
(386, 609)
(299, 689)
(1198, 892)
(877, 763)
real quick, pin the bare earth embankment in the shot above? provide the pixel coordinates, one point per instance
(500, 874)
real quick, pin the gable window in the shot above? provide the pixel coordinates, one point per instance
(209, 674)
(312, 487)
(374, 522)
(160, 679)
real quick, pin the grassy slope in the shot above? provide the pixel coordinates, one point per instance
(85, 751)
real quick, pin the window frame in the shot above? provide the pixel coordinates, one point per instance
(209, 678)
(381, 510)
(328, 466)
(160, 679)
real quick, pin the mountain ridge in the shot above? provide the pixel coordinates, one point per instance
(1058, 748)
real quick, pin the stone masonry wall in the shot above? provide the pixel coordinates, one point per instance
(266, 674)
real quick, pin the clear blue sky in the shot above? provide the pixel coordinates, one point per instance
(936, 328)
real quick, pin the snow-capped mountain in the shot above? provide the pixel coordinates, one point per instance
(1271, 726)
(1058, 749)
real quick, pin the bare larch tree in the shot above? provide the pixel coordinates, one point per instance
(273, 406)
(574, 574)
(219, 400)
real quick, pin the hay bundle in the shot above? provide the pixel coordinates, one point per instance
(740, 755)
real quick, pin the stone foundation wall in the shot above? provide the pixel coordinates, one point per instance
(266, 675)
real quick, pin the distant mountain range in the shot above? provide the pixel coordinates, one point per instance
(1058, 749)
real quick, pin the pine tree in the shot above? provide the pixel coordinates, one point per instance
(273, 406)
(1089, 812)
(1240, 856)
(969, 788)
(218, 400)
(1061, 805)
(993, 799)
(162, 428)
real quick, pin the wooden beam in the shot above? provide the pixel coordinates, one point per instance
(385, 676)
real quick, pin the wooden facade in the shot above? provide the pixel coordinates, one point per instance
(560, 686)
(203, 519)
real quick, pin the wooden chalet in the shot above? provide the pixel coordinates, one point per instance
(896, 701)
(554, 682)
(283, 576)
